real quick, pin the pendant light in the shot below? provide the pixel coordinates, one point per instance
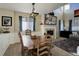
(33, 14)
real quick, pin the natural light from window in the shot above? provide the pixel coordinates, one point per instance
(27, 23)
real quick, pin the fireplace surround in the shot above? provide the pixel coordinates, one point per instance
(50, 30)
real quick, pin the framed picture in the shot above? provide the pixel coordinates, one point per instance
(50, 20)
(6, 21)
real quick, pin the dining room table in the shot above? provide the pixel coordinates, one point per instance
(32, 42)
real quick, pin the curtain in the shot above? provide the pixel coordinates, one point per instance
(34, 23)
(20, 23)
(70, 25)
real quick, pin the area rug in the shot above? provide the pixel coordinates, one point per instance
(68, 45)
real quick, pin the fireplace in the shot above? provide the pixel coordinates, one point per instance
(50, 32)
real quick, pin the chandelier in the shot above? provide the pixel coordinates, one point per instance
(33, 14)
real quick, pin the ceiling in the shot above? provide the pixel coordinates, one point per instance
(27, 7)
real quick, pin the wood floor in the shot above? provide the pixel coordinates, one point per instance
(15, 50)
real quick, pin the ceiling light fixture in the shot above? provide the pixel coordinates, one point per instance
(34, 14)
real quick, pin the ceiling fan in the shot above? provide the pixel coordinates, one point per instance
(34, 14)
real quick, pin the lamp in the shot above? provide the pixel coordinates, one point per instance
(33, 14)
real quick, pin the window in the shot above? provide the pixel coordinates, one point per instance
(27, 23)
(61, 25)
(75, 24)
(67, 7)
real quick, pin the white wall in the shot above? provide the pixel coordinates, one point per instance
(4, 43)
(64, 13)
(10, 13)
(6, 40)
(15, 19)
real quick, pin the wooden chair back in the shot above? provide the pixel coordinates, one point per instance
(23, 49)
(44, 47)
(20, 36)
(28, 32)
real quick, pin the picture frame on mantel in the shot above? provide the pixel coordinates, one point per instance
(6, 21)
(50, 20)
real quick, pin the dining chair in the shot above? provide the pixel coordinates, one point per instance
(35, 47)
(33, 51)
(24, 50)
(28, 32)
(44, 47)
